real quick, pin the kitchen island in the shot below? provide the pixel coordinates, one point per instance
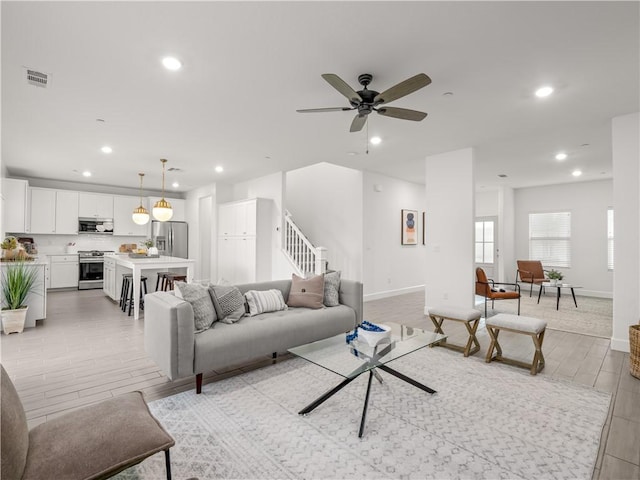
(138, 264)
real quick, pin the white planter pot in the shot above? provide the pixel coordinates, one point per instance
(13, 320)
(152, 251)
(553, 282)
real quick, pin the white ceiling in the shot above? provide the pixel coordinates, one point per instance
(249, 66)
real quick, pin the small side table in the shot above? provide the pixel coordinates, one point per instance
(559, 287)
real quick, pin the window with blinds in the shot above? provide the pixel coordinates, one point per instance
(550, 238)
(610, 238)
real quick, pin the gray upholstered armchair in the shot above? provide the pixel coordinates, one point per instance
(94, 442)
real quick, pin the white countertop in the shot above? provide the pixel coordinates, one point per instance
(126, 260)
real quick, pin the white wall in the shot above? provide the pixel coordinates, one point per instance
(588, 203)
(449, 268)
(487, 203)
(326, 202)
(389, 267)
(506, 235)
(626, 182)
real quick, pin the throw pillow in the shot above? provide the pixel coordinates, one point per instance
(198, 296)
(228, 302)
(306, 292)
(264, 301)
(332, 289)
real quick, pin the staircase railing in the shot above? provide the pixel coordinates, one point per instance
(303, 255)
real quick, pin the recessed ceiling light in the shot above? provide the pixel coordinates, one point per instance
(106, 149)
(576, 173)
(502, 175)
(352, 153)
(375, 140)
(175, 184)
(86, 173)
(447, 94)
(219, 169)
(544, 91)
(171, 63)
(561, 156)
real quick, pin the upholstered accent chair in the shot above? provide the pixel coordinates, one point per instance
(531, 271)
(485, 287)
(94, 442)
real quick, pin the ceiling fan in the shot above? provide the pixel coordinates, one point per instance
(366, 101)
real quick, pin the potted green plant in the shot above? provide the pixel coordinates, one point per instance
(554, 276)
(151, 250)
(18, 280)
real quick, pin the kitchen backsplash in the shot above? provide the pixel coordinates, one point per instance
(54, 244)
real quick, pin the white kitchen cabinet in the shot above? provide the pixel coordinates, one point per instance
(42, 210)
(64, 271)
(53, 211)
(66, 212)
(123, 223)
(109, 286)
(177, 204)
(244, 241)
(95, 205)
(15, 196)
(240, 218)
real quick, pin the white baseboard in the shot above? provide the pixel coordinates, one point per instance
(620, 344)
(392, 293)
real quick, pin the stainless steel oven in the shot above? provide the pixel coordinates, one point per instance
(91, 269)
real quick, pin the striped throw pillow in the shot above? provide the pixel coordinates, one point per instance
(264, 301)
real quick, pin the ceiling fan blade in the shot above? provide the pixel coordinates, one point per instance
(410, 85)
(403, 113)
(328, 109)
(358, 123)
(336, 82)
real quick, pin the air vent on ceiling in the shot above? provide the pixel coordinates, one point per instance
(36, 78)
(174, 169)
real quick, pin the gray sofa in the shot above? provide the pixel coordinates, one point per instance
(171, 341)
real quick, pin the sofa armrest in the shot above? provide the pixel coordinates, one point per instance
(351, 295)
(169, 333)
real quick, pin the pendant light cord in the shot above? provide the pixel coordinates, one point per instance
(141, 176)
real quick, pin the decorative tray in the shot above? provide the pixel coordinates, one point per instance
(143, 255)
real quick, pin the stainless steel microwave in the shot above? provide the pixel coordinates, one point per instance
(97, 226)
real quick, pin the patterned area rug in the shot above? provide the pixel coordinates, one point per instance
(593, 316)
(486, 421)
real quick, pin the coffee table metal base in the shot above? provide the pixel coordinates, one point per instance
(372, 372)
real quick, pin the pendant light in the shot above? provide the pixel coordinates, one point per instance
(162, 210)
(140, 215)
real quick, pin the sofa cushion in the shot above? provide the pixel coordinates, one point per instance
(306, 292)
(332, 289)
(198, 296)
(228, 302)
(264, 301)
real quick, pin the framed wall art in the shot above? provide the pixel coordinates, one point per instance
(424, 228)
(409, 227)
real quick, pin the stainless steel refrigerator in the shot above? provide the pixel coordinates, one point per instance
(171, 238)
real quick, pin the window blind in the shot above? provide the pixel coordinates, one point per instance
(610, 238)
(550, 238)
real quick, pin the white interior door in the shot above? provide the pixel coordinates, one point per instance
(486, 245)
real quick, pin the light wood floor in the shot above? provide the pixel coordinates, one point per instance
(88, 350)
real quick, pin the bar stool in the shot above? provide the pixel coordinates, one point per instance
(171, 277)
(126, 295)
(161, 280)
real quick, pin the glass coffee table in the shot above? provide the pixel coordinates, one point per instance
(350, 360)
(559, 287)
